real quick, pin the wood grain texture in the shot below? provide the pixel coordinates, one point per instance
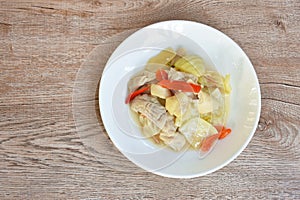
(42, 46)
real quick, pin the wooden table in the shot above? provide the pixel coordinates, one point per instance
(44, 44)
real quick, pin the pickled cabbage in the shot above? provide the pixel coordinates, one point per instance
(191, 64)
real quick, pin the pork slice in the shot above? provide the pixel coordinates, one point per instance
(140, 79)
(150, 108)
(181, 76)
(149, 129)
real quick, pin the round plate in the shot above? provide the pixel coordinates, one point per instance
(218, 51)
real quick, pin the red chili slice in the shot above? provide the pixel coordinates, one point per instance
(135, 93)
(180, 85)
(208, 142)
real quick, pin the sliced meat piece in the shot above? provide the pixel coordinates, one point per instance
(140, 79)
(150, 107)
(149, 129)
(169, 128)
(181, 76)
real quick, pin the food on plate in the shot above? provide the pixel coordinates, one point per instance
(180, 102)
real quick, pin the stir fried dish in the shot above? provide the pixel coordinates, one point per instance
(180, 102)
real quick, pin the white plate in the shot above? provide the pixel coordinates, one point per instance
(219, 51)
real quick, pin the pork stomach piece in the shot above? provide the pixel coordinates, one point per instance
(173, 74)
(140, 79)
(150, 107)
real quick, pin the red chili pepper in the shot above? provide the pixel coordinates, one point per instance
(208, 142)
(224, 132)
(161, 75)
(135, 93)
(180, 85)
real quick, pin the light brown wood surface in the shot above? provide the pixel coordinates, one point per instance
(42, 47)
